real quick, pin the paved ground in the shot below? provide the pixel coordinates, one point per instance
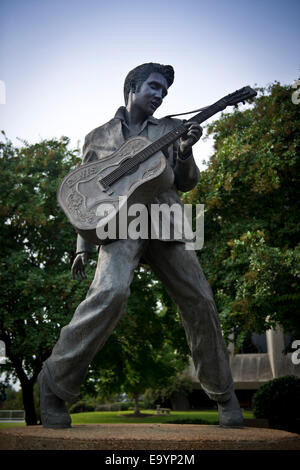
(147, 437)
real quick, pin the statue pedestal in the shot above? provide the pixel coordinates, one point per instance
(146, 437)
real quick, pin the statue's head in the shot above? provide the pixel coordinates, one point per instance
(139, 75)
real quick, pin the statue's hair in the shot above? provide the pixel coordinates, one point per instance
(136, 77)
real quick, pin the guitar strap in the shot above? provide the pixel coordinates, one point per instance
(188, 112)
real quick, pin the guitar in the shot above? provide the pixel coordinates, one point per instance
(95, 193)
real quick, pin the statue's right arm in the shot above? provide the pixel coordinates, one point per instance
(88, 154)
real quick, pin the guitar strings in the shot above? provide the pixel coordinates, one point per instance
(143, 155)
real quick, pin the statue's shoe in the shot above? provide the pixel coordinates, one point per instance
(54, 413)
(230, 415)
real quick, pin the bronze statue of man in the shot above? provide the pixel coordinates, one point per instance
(95, 318)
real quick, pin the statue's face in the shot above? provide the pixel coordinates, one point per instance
(151, 94)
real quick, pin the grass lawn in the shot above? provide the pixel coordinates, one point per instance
(93, 417)
(11, 425)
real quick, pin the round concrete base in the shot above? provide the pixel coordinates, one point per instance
(146, 437)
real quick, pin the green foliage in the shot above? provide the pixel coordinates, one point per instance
(13, 400)
(37, 294)
(3, 393)
(81, 407)
(181, 383)
(116, 406)
(37, 247)
(278, 401)
(250, 191)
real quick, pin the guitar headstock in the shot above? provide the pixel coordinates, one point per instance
(239, 96)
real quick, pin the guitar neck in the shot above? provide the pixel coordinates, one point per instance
(173, 135)
(161, 143)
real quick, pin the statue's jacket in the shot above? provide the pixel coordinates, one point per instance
(106, 139)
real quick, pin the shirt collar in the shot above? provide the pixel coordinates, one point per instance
(120, 114)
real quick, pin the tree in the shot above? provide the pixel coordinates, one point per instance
(39, 297)
(249, 188)
(37, 294)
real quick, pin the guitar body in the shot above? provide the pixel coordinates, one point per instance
(90, 205)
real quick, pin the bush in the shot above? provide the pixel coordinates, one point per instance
(111, 407)
(81, 407)
(278, 401)
(14, 400)
(118, 406)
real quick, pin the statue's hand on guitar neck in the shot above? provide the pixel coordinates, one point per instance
(193, 134)
(78, 266)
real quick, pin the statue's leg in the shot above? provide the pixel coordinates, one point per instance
(181, 273)
(94, 319)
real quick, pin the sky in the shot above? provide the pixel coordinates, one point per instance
(63, 62)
